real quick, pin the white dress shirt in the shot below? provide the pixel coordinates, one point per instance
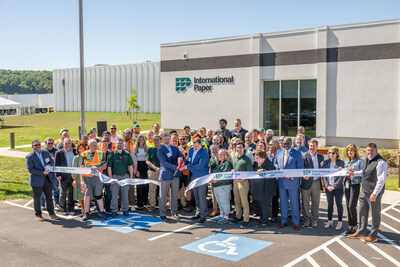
(381, 171)
(315, 163)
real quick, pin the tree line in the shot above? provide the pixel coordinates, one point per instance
(25, 82)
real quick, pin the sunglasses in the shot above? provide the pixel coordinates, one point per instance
(217, 140)
(331, 153)
(286, 144)
(50, 143)
(182, 139)
(113, 128)
(37, 145)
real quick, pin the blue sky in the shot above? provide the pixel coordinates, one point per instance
(43, 34)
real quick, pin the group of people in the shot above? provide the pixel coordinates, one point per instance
(174, 160)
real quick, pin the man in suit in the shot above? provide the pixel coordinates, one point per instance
(311, 186)
(197, 163)
(39, 179)
(289, 158)
(169, 157)
(63, 158)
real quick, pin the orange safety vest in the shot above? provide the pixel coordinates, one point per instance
(185, 154)
(131, 146)
(98, 157)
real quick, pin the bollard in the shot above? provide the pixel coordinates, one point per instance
(12, 140)
(79, 133)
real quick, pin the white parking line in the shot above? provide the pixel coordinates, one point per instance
(395, 209)
(172, 232)
(391, 217)
(30, 208)
(28, 203)
(178, 230)
(327, 243)
(355, 253)
(384, 238)
(384, 254)
(336, 258)
(312, 261)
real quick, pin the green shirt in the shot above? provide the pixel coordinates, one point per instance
(119, 162)
(225, 166)
(242, 163)
(212, 163)
(151, 156)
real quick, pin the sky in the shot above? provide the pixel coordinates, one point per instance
(44, 34)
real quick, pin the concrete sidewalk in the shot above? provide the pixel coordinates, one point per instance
(5, 151)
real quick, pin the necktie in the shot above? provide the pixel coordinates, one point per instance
(285, 158)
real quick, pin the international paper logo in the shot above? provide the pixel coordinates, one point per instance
(306, 172)
(182, 84)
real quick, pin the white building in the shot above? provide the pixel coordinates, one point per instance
(341, 82)
(107, 87)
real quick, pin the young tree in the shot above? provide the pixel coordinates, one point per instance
(133, 105)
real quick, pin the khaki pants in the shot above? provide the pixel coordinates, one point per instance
(214, 200)
(152, 187)
(241, 192)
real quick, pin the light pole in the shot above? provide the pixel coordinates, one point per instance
(82, 69)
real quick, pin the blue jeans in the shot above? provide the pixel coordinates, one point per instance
(56, 192)
(107, 197)
(335, 196)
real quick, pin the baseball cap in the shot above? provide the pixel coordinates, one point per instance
(93, 129)
(186, 126)
(270, 131)
(261, 130)
(193, 131)
(106, 132)
(127, 131)
(136, 126)
(63, 130)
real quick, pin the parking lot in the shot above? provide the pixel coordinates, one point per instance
(142, 239)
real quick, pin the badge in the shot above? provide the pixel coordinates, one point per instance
(169, 154)
(188, 159)
(348, 185)
(47, 160)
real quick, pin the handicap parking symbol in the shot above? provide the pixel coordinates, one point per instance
(129, 224)
(227, 246)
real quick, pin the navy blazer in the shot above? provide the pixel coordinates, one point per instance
(61, 161)
(308, 164)
(168, 162)
(338, 180)
(199, 164)
(294, 161)
(35, 167)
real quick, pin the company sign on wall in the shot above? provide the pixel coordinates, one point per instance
(200, 84)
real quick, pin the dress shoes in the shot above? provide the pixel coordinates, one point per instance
(202, 220)
(355, 235)
(164, 218)
(195, 217)
(307, 224)
(282, 224)
(370, 239)
(296, 227)
(54, 217)
(151, 208)
(40, 218)
(114, 214)
(214, 213)
(126, 213)
(314, 224)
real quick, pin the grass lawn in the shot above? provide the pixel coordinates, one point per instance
(392, 183)
(23, 149)
(14, 178)
(28, 128)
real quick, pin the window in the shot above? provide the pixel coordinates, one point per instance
(289, 104)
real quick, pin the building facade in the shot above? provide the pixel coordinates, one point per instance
(340, 82)
(107, 87)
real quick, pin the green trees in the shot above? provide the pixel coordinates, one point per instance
(133, 105)
(26, 82)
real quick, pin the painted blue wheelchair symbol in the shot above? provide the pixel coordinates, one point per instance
(129, 224)
(227, 246)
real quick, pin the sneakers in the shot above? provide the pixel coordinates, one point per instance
(307, 224)
(244, 225)
(102, 215)
(126, 213)
(85, 216)
(314, 224)
(114, 214)
(133, 208)
(175, 216)
(222, 220)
